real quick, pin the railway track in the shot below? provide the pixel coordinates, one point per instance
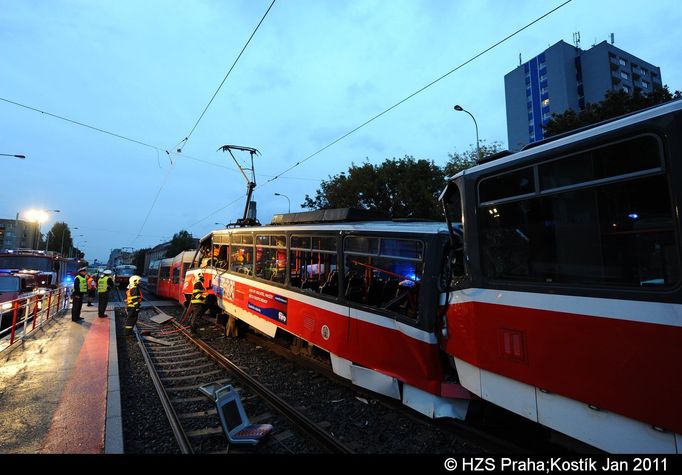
(179, 364)
(464, 437)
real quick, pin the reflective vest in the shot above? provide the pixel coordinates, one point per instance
(91, 283)
(198, 295)
(102, 284)
(82, 283)
(134, 300)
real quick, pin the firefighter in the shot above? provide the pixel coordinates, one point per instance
(133, 302)
(104, 286)
(198, 301)
(80, 288)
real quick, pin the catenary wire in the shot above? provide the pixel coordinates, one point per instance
(476, 56)
(183, 142)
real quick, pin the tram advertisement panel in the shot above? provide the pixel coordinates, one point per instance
(258, 301)
(268, 304)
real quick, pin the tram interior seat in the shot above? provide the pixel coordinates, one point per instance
(389, 291)
(331, 286)
(375, 291)
(355, 291)
(311, 284)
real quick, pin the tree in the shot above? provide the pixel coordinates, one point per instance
(182, 241)
(58, 238)
(461, 161)
(615, 103)
(404, 187)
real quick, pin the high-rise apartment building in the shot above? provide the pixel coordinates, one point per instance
(566, 77)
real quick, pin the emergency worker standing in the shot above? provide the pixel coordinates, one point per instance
(133, 302)
(104, 286)
(92, 289)
(198, 301)
(80, 288)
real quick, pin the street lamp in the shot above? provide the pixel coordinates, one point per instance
(288, 200)
(478, 148)
(13, 155)
(38, 216)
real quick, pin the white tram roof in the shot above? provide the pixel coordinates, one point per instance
(415, 227)
(604, 128)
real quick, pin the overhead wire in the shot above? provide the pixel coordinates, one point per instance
(183, 142)
(476, 56)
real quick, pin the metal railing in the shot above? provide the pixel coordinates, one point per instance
(20, 317)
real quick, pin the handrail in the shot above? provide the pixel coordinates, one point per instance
(22, 316)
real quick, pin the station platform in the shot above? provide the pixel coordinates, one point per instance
(59, 389)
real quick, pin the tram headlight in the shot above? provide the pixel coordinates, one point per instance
(6, 306)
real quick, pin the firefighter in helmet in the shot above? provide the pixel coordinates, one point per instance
(133, 302)
(198, 301)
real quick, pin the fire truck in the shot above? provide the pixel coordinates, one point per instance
(15, 285)
(51, 267)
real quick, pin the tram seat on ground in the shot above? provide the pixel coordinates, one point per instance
(233, 419)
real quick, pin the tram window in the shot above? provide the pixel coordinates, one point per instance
(271, 258)
(176, 275)
(614, 234)
(241, 259)
(637, 155)
(164, 273)
(390, 280)
(221, 260)
(363, 244)
(324, 243)
(515, 183)
(300, 242)
(314, 271)
(401, 248)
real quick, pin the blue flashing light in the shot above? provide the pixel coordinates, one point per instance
(633, 216)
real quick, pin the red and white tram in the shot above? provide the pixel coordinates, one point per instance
(567, 309)
(364, 291)
(166, 276)
(553, 291)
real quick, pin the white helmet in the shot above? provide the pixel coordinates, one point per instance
(134, 280)
(107, 272)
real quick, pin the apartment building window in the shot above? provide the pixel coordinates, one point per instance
(545, 103)
(624, 75)
(622, 62)
(645, 84)
(626, 89)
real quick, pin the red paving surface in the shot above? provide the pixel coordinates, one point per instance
(78, 423)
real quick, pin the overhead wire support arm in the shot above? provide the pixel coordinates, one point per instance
(250, 183)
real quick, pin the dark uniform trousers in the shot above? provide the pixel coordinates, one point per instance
(76, 306)
(102, 302)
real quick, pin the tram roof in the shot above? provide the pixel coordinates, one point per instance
(592, 131)
(407, 227)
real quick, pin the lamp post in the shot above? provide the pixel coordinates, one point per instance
(38, 216)
(288, 200)
(61, 249)
(12, 155)
(478, 148)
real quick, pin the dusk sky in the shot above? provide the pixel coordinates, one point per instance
(142, 72)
